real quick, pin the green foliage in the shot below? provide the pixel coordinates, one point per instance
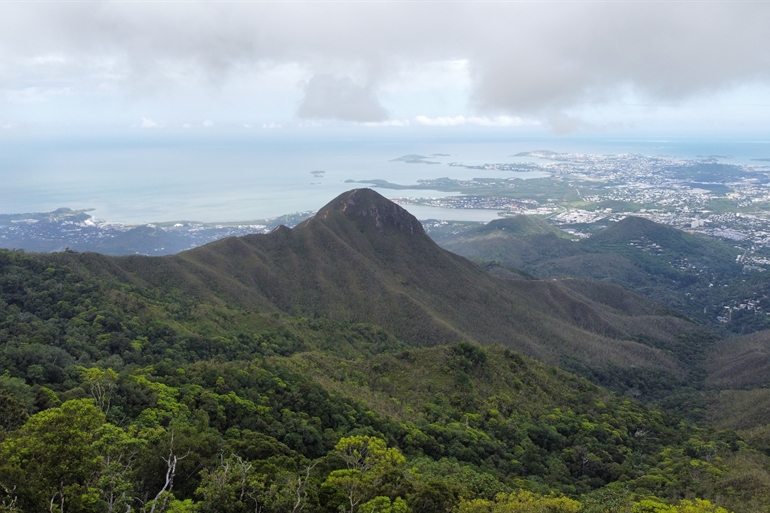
(685, 506)
(127, 385)
(100, 384)
(233, 486)
(521, 502)
(52, 458)
(528, 502)
(13, 412)
(371, 468)
(117, 449)
(692, 274)
(381, 504)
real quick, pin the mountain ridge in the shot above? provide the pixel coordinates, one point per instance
(692, 274)
(363, 258)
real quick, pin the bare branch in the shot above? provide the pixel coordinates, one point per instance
(171, 463)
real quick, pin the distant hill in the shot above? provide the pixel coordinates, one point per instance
(519, 241)
(76, 230)
(655, 238)
(363, 258)
(693, 274)
(522, 226)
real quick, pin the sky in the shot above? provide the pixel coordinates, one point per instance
(518, 67)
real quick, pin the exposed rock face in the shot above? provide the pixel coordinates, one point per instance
(371, 207)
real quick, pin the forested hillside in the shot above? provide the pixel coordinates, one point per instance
(213, 382)
(693, 274)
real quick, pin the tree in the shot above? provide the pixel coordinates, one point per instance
(232, 487)
(367, 453)
(368, 460)
(13, 412)
(434, 496)
(381, 504)
(164, 493)
(8, 499)
(51, 459)
(354, 483)
(100, 384)
(117, 451)
(685, 506)
(297, 488)
(521, 502)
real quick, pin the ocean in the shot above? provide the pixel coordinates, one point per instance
(158, 177)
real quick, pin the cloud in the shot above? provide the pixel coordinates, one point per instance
(440, 121)
(329, 97)
(498, 121)
(186, 125)
(149, 123)
(595, 52)
(518, 59)
(561, 124)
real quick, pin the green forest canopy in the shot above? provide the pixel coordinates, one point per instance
(117, 397)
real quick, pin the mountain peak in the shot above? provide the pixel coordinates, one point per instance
(370, 207)
(632, 227)
(521, 225)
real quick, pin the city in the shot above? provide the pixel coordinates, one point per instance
(585, 192)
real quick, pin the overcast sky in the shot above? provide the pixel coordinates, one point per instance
(538, 66)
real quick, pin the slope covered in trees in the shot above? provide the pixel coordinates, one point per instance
(363, 258)
(442, 428)
(318, 369)
(693, 274)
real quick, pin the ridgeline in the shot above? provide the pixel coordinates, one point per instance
(347, 364)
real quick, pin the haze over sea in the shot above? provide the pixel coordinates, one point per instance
(168, 177)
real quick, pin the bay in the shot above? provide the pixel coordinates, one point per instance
(140, 178)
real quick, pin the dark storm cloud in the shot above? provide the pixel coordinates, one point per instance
(524, 58)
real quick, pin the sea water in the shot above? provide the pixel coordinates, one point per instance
(140, 178)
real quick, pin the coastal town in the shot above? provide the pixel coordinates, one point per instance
(708, 195)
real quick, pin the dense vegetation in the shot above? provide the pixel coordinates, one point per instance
(693, 274)
(393, 276)
(117, 396)
(142, 384)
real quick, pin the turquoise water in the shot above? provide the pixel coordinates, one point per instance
(159, 177)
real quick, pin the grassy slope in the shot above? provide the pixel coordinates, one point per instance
(342, 265)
